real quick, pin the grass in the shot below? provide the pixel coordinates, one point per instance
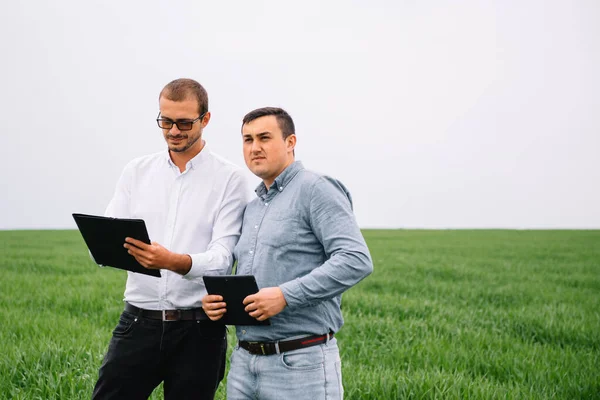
(446, 314)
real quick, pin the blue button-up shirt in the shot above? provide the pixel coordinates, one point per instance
(301, 235)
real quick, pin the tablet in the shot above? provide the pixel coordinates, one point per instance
(105, 236)
(234, 289)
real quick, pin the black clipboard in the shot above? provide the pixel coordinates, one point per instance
(234, 289)
(105, 236)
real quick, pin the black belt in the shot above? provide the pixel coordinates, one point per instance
(269, 348)
(194, 314)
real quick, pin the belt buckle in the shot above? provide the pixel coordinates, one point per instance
(254, 347)
(171, 315)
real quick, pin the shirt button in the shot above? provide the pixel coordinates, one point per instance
(266, 204)
(243, 332)
(250, 252)
(281, 188)
(255, 226)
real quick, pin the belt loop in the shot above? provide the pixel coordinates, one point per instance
(277, 348)
(327, 338)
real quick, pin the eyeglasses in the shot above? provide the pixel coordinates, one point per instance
(182, 124)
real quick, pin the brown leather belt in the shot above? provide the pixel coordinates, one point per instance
(269, 348)
(193, 314)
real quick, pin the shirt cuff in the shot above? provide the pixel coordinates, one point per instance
(208, 264)
(294, 296)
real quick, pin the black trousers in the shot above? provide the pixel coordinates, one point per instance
(189, 356)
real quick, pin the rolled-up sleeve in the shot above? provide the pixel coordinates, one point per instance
(218, 257)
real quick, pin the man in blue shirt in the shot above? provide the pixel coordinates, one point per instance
(302, 243)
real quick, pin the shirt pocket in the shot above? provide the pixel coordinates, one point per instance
(280, 228)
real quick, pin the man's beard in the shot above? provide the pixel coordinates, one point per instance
(189, 143)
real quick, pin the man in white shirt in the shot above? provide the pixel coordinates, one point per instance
(192, 202)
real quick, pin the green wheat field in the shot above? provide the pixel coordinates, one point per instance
(476, 314)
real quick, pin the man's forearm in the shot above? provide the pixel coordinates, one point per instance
(181, 264)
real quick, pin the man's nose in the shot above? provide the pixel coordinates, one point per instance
(174, 129)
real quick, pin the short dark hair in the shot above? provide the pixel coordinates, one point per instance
(284, 120)
(183, 89)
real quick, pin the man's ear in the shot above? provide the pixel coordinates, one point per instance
(291, 142)
(205, 119)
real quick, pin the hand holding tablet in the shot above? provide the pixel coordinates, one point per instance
(234, 289)
(105, 236)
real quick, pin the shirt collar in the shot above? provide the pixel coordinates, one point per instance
(194, 162)
(282, 180)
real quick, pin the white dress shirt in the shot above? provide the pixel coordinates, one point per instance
(196, 212)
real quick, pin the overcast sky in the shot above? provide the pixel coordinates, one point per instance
(438, 114)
